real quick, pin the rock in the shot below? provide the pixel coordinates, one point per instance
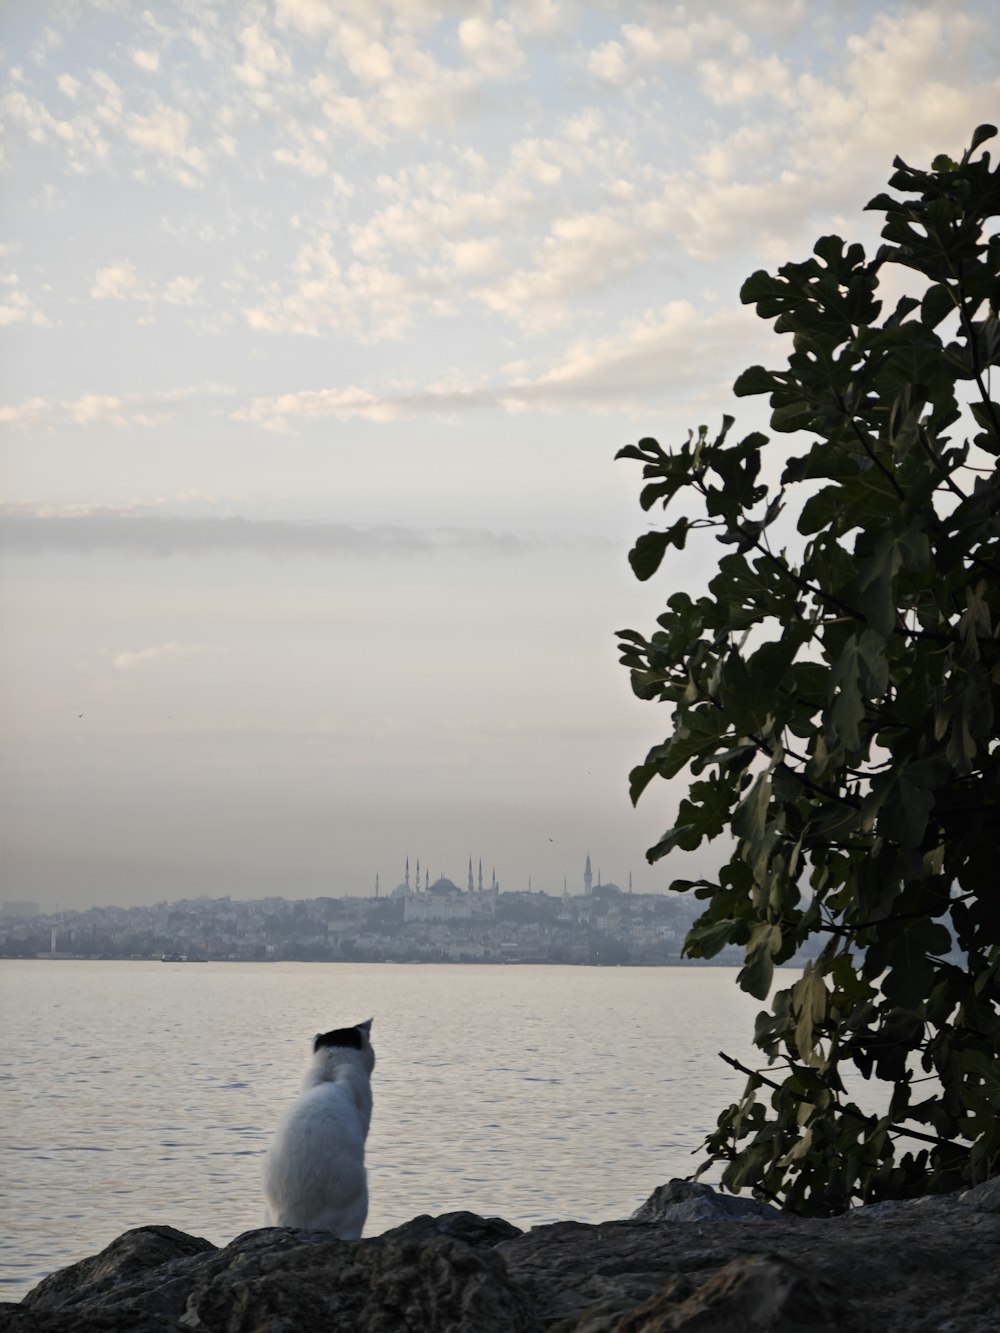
(148, 1265)
(984, 1198)
(763, 1292)
(926, 1266)
(688, 1201)
(383, 1285)
(282, 1279)
(470, 1227)
(687, 1261)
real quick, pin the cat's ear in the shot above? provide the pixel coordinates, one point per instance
(366, 1026)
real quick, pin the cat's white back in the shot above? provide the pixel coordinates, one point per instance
(314, 1170)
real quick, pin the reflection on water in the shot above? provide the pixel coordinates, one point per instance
(137, 1093)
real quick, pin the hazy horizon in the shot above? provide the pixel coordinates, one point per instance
(321, 322)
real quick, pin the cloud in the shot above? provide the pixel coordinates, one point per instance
(661, 41)
(758, 77)
(90, 407)
(148, 61)
(608, 64)
(492, 47)
(165, 132)
(23, 414)
(163, 652)
(581, 253)
(181, 290)
(279, 412)
(369, 299)
(17, 307)
(664, 354)
(909, 85)
(31, 530)
(261, 58)
(667, 352)
(121, 282)
(118, 282)
(136, 409)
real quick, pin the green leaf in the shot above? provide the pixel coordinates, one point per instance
(757, 973)
(910, 960)
(980, 134)
(647, 554)
(755, 379)
(875, 584)
(939, 301)
(706, 940)
(809, 1000)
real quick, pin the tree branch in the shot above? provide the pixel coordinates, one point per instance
(844, 1110)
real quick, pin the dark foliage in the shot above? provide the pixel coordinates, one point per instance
(836, 706)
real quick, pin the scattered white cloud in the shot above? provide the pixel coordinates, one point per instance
(479, 257)
(276, 413)
(122, 282)
(182, 290)
(665, 354)
(91, 407)
(118, 282)
(492, 47)
(165, 132)
(23, 414)
(261, 58)
(148, 61)
(608, 64)
(162, 652)
(582, 253)
(371, 300)
(669, 353)
(729, 84)
(18, 307)
(126, 409)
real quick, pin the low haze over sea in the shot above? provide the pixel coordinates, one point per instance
(138, 1093)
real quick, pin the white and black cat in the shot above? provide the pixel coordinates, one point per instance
(314, 1171)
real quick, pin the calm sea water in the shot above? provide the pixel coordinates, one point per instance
(137, 1093)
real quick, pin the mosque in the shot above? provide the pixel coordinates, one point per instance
(444, 900)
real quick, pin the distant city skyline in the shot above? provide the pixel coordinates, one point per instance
(321, 322)
(442, 924)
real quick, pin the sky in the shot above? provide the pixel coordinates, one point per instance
(321, 322)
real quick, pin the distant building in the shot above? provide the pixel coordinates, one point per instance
(444, 900)
(588, 878)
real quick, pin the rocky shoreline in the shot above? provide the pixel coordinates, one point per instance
(689, 1259)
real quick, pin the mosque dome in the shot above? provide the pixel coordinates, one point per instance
(443, 887)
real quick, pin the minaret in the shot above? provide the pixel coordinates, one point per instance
(427, 880)
(376, 883)
(472, 883)
(588, 877)
(418, 874)
(480, 874)
(630, 881)
(406, 881)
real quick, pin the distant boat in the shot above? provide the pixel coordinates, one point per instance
(173, 958)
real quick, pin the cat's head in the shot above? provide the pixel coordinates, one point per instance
(331, 1047)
